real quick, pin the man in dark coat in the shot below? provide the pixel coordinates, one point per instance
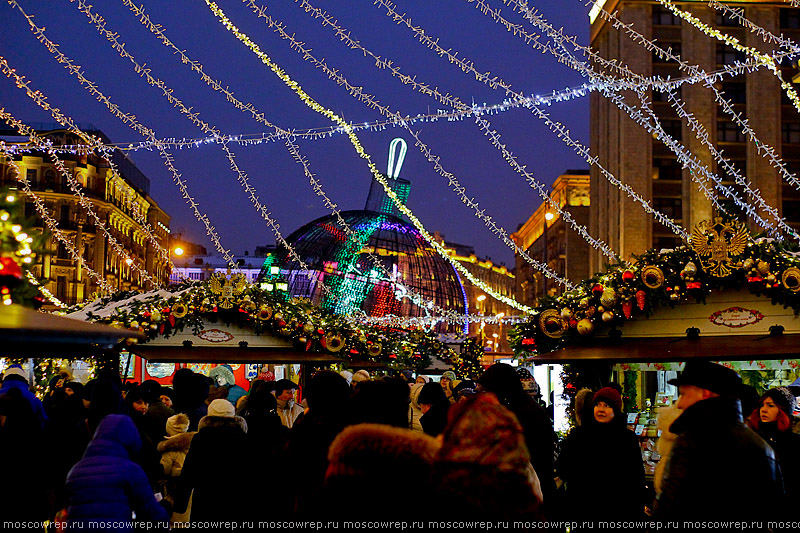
(718, 468)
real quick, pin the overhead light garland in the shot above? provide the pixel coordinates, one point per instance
(288, 138)
(310, 102)
(131, 121)
(453, 181)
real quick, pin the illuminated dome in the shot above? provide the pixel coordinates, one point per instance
(343, 265)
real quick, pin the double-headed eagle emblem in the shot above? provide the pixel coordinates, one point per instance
(717, 244)
(226, 289)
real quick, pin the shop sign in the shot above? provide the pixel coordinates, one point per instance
(215, 335)
(736, 317)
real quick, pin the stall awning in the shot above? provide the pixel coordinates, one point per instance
(663, 349)
(26, 331)
(229, 354)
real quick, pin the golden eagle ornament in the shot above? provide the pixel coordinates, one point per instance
(718, 244)
(226, 289)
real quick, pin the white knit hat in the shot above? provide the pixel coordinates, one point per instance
(15, 370)
(346, 374)
(361, 375)
(177, 424)
(220, 407)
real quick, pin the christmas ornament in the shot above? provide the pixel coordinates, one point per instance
(609, 297)
(374, 349)
(608, 316)
(308, 327)
(627, 308)
(264, 313)
(551, 324)
(566, 313)
(585, 326)
(763, 268)
(791, 279)
(333, 342)
(628, 276)
(226, 289)
(652, 277)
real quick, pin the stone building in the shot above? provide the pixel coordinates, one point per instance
(121, 201)
(546, 238)
(636, 158)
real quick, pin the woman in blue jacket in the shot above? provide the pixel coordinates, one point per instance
(106, 486)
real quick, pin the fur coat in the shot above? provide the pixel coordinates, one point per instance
(173, 452)
(666, 416)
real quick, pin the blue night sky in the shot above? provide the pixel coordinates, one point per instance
(277, 178)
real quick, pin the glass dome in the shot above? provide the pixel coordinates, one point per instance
(342, 263)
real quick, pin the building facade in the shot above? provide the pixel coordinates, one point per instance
(632, 154)
(546, 238)
(120, 200)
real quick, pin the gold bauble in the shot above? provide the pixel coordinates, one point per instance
(763, 268)
(566, 313)
(609, 297)
(585, 326)
(690, 268)
(674, 296)
(584, 303)
(155, 316)
(608, 316)
(308, 328)
(748, 263)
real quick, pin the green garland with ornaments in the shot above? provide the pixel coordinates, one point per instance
(231, 300)
(721, 255)
(20, 243)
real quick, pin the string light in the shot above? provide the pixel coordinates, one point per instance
(51, 224)
(288, 137)
(733, 42)
(310, 102)
(47, 294)
(452, 180)
(129, 120)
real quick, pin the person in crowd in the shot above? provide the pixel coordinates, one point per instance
(422, 379)
(23, 495)
(434, 406)
(718, 468)
(750, 400)
(138, 404)
(483, 467)
(666, 440)
(584, 412)
(529, 384)
(223, 378)
(328, 414)
(190, 391)
(465, 389)
(414, 408)
(55, 389)
(773, 422)
(107, 484)
(346, 374)
(15, 377)
(382, 401)
(265, 431)
(173, 452)
(105, 399)
(157, 413)
(447, 383)
(385, 469)
(603, 451)
(359, 377)
(166, 397)
(502, 380)
(74, 387)
(288, 409)
(219, 490)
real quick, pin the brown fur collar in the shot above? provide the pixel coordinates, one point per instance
(177, 443)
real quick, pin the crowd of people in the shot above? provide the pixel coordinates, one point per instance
(206, 449)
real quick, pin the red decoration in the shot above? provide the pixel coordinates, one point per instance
(694, 285)
(597, 288)
(641, 296)
(171, 320)
(9, 267)
(755, 279)
(308, 345)
(628, 276)
(627, 308)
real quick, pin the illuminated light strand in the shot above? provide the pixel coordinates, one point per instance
(734, 43)
(311, 103)
(655, 128)
(557, 127)
(369, 100)
(93, 145)
(75, 187)
(47, 294)
(766, 35)
(130, 121)
(725, 104)
(288, 138)
(429, 321)
(52, 225)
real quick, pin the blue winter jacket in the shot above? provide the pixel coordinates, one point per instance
(35, 403)
(106, 485)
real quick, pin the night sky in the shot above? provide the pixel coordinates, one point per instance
(279, 181)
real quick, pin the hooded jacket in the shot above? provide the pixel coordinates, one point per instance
(173, 452)
(15, 382)
(106, 484)
(718, 467)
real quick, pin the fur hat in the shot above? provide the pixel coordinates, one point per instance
(449, 375)
(610, 396)
(223, 374)
(782, 397)
(220, 407)
(177, 424)
(15, 370)
(361, 375)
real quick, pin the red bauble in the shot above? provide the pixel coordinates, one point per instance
(9, 267)
(627, 308)
(597, 288)
(641, 297)
(628, 275)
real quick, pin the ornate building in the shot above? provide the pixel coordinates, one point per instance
(645, 163)
(546, 238)
(121, 201)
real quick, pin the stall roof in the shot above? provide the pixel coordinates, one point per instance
(26, 330)
(229, 354)
(663, 349)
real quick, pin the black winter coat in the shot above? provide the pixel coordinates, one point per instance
(601, 463)
(787, 450)
(718, 468)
